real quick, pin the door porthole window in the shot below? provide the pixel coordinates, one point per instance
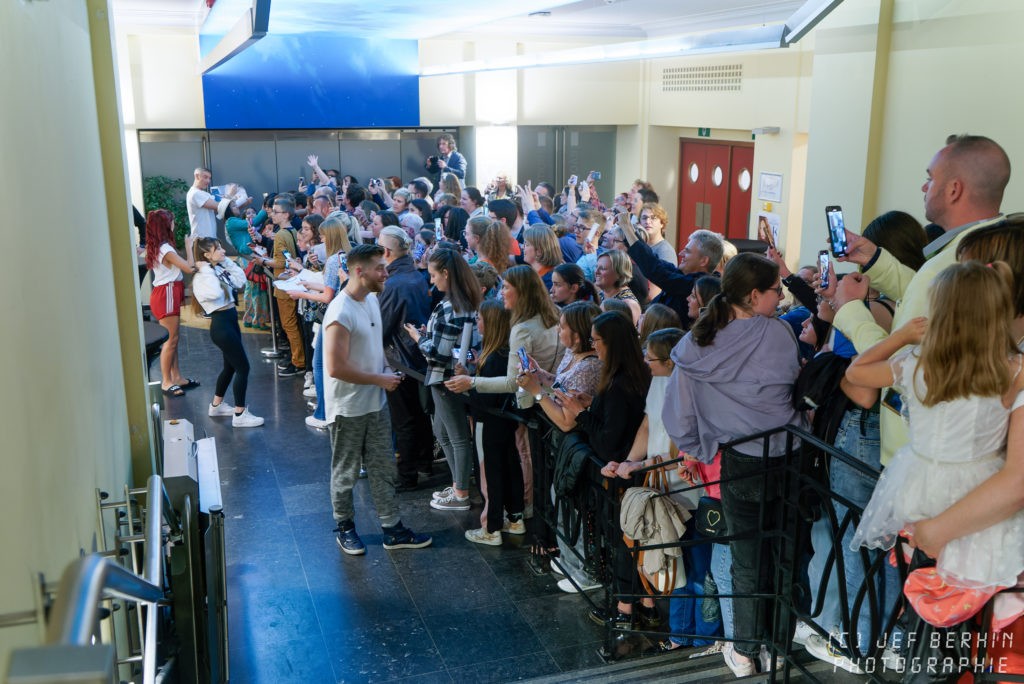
(744, 180)
(694, 172)
(717, 176)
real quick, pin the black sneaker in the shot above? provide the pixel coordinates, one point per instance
(290, 371)
(348, 540)
(401, 537)
(281, 365)
(620, 621)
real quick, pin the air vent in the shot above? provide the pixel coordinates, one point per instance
(702, 79)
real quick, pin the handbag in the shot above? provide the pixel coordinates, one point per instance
(709, 519)
(255, 274)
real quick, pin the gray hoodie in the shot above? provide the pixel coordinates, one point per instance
(740, 384)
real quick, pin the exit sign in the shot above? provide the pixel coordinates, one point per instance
(703, 132)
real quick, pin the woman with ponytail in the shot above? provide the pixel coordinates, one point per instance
(734, 377)
(165, 300)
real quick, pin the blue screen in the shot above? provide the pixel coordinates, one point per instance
(314, 80)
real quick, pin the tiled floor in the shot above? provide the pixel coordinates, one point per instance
(301, 611)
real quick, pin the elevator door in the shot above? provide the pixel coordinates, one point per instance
(553, 153)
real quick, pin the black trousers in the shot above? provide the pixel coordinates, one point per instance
(225, 334)
(502, 469)
(414, 437)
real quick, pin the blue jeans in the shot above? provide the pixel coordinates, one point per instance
(721, 570)
(821, 539)
(859, 437)
(685, 615)
(318, 375)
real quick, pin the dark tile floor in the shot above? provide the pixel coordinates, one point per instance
(301, 611)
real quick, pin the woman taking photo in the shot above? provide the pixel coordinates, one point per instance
(214, 290)
(613, 271)
(165, 300)
(334, 232)
(568, 285)
(734, 376)
(451, 275)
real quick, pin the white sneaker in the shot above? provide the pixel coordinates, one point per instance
(309, 392)
(555, 569)
(802, 633)
(741, 666)
(568, 587)
(246, 419)
(892, 660)
(444, 493)
(307, 380)
(823, 650)
(316, 423)
(514, 527)
(482, 536)
(766, 660)
(221, 409)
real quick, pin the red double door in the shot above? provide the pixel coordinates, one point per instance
(714, 188)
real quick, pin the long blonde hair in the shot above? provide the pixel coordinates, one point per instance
(965, 351)
(334, 231)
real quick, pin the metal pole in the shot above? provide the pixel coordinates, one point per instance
(272, 351)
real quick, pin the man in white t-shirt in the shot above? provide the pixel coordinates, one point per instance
(202, 207)
(356, 377)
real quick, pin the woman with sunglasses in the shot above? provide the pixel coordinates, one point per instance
(734, 376)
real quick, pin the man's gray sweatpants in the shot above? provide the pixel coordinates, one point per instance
(365, 439)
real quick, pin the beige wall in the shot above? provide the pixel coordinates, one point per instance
(64, 417)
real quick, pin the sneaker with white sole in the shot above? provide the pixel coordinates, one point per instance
(741, 666)
(482, 536)
(221, 409)
(309, 392)
(245, 419)
(452, 502)
(514, 527)
(802, 633)
(307, 380)
(401, 537)
(824, 650)
(447, 491)
(316, 423)
(766, 658)
(568, 587)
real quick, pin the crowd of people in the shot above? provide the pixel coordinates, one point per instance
(434, 312)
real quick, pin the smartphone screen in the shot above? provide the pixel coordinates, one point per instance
(823, 262)
(573, 179)
(596, 175)
(836, 230)
(524, 360)
(287, 256)
(592, 233)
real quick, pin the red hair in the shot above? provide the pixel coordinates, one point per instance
(159, 229)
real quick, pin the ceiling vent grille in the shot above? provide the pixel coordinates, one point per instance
(702, 79)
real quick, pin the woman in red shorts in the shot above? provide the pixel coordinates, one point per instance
(168, 290)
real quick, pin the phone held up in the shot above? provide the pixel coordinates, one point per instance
(836, 231)
(823, 265)
(524, 360)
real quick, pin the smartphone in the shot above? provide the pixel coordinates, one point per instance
(287, 256)
(573, 179)
(596, 175)
(836, 231)
(524, 360)
(302, 179)
(823, 263)
(437, 225)
(633, 219)
(592, 233)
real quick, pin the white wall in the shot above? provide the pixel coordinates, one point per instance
(63, 414)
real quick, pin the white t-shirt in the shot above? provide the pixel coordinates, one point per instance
(365, 352)
(165, 274)
(202, 220)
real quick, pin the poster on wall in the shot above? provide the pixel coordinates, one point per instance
(768, 227)
(769, 187)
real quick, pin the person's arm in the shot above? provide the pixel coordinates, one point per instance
(991, 502)
(235, 274)
(338, 366)
(663, 274)
(520, 337)
(318, 173)
(852, 318)
(604, 428)
(172, 258)
(872, 368)
(206, 288)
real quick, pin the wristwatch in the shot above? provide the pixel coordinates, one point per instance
(537, 397)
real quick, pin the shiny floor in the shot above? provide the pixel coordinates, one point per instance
(302, 611)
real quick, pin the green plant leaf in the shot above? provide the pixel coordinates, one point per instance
(162, 192)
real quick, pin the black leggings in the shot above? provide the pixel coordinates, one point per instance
(225, 334)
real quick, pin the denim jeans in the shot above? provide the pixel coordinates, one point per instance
(686, 615)
(821, 540)
(858, 436)
(721, 570)
(451, 427)
(318, 374)
(752, 559)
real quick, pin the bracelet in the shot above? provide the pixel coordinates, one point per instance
(472, 383)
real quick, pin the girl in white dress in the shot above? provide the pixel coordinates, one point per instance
(959, 388)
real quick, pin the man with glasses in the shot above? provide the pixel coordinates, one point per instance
(653, 219)
(700, 256)
(281, 213)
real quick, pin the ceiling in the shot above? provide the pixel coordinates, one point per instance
(420, 19)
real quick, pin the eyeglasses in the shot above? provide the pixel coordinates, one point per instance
(651, 359)
(777, 290)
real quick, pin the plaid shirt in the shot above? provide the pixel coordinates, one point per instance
(444, 333)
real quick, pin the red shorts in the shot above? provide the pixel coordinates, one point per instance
(165, 300)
